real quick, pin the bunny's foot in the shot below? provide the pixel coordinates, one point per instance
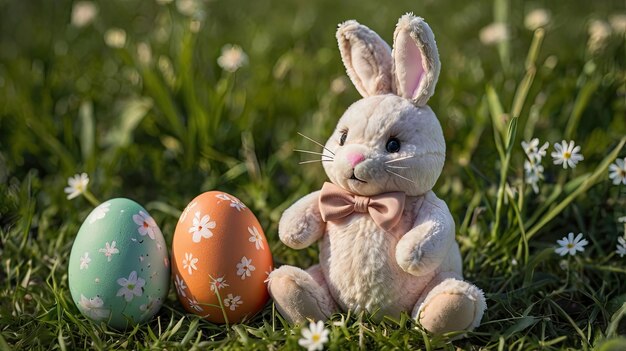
(300, 295)
(451, 305)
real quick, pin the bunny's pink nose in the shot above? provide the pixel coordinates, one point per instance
(355, 158)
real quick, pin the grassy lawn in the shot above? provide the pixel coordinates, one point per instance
(146, 111)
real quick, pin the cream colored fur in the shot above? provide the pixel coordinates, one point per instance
(416, 266)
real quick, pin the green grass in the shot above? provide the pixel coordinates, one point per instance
(162, 132)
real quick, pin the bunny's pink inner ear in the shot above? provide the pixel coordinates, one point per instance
(415, 59)
(367, 58)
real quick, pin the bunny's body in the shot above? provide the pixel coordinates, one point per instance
(386, 241)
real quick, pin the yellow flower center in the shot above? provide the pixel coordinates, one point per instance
(131, 286)
(567, 155)
(316, 337)
(570, 245)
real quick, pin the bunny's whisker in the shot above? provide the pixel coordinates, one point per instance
(312, 152)
(311, 161)
(400, 159)
(401, 176)
(316, 142)
(399, 167)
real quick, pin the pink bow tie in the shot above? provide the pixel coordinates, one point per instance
(385, 209)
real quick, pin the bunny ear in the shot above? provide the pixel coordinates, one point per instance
(367, 58)
(415, 59)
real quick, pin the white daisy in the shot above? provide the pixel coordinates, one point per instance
(232, 302)
(570, 245)
(621, 246)
(201, 227)
(76, 185)
(146, 224)
(494, 33)
(84, 261)
(533, 151)
(232, 58)
(533, 173)
(83, 13)
(180, 286)
(109, 250)
(537, 18)
(115, 38)
(218, 283)
(314, 337)
(189, 263)
(92, 308)
(255, 238)
(99, 212)
(193, 303)
(566, 154)
(131, 287)
(617, 171)
(245, 268)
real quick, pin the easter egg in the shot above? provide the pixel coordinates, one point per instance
(220, 259)
(119, 269)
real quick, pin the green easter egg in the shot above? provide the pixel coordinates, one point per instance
(119, 267)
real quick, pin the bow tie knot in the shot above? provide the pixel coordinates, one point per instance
(385, 209)
(361, 203)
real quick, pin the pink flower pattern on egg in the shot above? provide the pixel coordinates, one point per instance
(245, 268)
(109, 250)
(232, 302)
(146, 224)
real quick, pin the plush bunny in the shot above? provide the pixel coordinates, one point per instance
(387, 243)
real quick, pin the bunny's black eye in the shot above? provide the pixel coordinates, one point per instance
(342, 140)
(393, 145)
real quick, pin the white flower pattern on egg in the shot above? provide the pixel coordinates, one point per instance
(267, 280)
(93, 308)
(201, 226)
(180, 286)
(131, 287)
(238, 205)
(151, 306)
(186, 211)
(146, 224)
(189, 263)
(232, 302)
(99, 212)
(193, 303)
(84, 261)
(245, 268)
(218, 283)
(109, 250)
(255, 237)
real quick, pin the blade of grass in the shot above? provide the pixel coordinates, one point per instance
(581, 102)
(616, 318)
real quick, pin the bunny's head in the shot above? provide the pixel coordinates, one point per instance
(390, 140)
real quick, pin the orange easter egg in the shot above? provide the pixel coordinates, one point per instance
(220, 259)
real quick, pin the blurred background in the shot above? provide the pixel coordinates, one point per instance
(160, 100)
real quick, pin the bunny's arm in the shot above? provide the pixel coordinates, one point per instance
(422, 249)
(301, 224)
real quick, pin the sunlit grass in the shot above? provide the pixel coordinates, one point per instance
(151, 115)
